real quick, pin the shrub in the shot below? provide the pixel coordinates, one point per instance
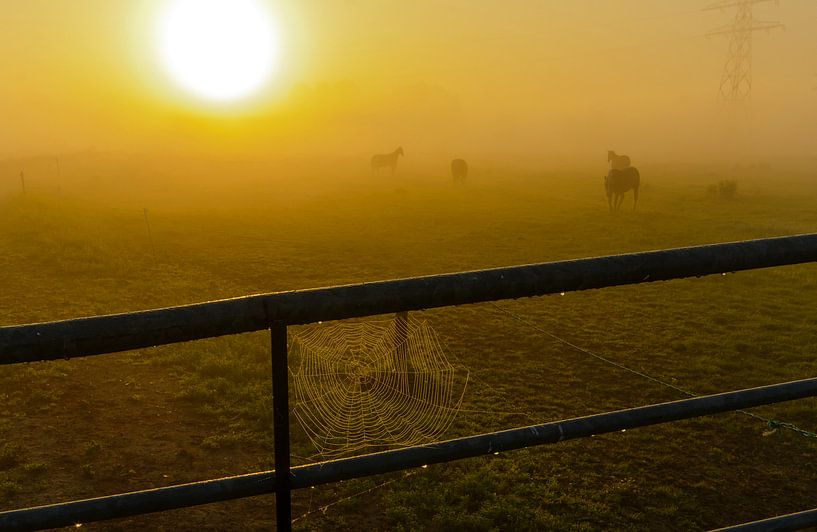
(725, 189)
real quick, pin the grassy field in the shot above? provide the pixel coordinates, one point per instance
(78, 246)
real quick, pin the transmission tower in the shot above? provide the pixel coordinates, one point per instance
(736, 81)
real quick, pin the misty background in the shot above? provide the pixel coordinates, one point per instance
(552, 83)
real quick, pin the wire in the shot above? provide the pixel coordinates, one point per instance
(323, 508)
(773, 424)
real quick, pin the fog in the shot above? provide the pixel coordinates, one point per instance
(551, 83)
(120, 191)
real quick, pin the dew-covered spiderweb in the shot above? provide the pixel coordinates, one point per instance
(373, 384)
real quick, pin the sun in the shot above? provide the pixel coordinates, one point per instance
(218, 50)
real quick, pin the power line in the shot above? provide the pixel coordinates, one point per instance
(736, 80)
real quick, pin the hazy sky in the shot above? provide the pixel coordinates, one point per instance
(552, 78)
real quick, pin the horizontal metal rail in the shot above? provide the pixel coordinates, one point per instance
(129, 504)
(134, 330)
(795, 521)
(138, 502)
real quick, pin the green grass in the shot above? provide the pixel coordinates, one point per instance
(9, 455)
(66, 257)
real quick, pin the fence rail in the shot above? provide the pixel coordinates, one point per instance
(107, 334)
(135, 330)
(307, 476)
(795, 521)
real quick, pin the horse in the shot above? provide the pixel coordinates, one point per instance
(618, 182)
(459, 170)
(617, 162)
(387, 159)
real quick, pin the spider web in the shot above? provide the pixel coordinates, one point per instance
(374, 384)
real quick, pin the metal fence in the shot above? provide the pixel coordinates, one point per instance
(107, 334)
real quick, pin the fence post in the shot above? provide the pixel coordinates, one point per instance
(401, 330)
(402, 359)
(280, 422)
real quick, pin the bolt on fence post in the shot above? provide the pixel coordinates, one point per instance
(280, 422)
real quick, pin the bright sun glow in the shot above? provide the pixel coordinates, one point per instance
(221, 50)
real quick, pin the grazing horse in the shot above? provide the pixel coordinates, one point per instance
(618, 162)
(387, 159)
(618, 182)
(459, 170)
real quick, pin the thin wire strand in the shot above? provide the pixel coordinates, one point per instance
(323, 508)
(773, 424)
(590, 353)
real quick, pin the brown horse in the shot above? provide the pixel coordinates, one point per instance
(618, 182)
(387, 160)
(617, 162)
(459, 170)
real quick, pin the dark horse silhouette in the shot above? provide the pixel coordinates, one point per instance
(617, 162)
(618, 182)
(459, 170)
(387, 160)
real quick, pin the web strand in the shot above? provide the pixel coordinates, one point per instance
(374, 384)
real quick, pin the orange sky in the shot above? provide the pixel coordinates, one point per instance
(566, 78)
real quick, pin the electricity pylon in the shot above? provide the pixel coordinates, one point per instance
(736, 81)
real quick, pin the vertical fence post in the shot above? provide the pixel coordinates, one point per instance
(401, 349)
(401, 330)
(280, 422)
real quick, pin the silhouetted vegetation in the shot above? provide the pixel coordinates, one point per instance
(725, 189)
